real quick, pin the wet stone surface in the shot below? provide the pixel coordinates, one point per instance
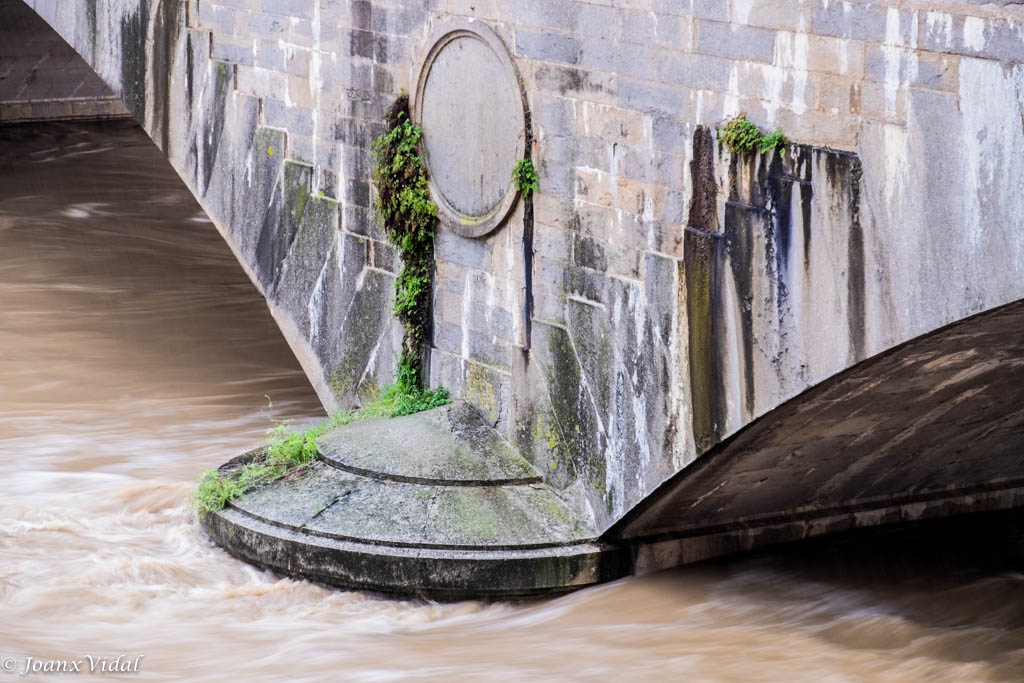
(440, 505)
(327, 502)
(449, 446)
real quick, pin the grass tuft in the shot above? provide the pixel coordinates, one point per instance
(290, 450)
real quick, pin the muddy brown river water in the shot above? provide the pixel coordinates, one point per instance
(134, 353)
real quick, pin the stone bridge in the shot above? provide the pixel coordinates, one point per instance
(698, 350)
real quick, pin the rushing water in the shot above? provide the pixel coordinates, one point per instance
(134, 354)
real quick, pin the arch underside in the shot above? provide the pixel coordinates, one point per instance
(932, 428)
(42, 77)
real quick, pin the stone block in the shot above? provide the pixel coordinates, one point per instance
(937, 71)
(589, 253)
(297, 62)
(266, 26)
(547, 47)
(548, 303)
(612, 124)
(480, 9)
(696, 71)
(839, 95)
(551, 272)
(448, 337)
(651, 28)
(487, 349)
(877, 101)
(595, 20)
(259, 82)
(228, 50)
(781, 15)
(644, 96)
(300, 121)
(715, 10)
(986, 37)
(595, 86)
(392, 50)
(555, 116)
(554, 211)
(465, 251)
(302, 9)
(551, 241)
(850, 20)
(923, 69)
(626, 60)
(398, 21)
(604, 189)
(359, 43)
(269, 55)
(355, 75)
(237, 4)
(735, 42)
(543, 14)
(300, 91)
(337, 11)
(816, 128)
(217, 17)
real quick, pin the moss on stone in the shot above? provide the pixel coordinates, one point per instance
(468, 513)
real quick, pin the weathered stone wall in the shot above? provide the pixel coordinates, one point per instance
(677, 292)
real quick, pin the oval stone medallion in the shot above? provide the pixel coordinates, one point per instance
(470, 105)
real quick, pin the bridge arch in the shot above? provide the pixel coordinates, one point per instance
(931, 428)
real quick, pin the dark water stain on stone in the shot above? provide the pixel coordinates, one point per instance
(780, 192)
(701, 274)
(189, 70)
(742, 222)
(133, 60)
(806, 195)
(704, 200)
(855, 308)
(90, 9)
(223, 81)
(701, 260)
(166, 31)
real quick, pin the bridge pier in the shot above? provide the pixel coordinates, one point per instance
(663, 291)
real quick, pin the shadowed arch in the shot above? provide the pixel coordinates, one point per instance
(931, 428)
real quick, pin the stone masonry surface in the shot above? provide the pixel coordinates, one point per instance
(899, 209)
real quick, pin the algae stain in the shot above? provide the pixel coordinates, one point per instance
(480, 391)
(475, 517)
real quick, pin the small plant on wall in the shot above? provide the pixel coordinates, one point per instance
(525, 178)
(741, 136)
(409, 216)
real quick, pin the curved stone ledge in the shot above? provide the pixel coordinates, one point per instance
(431, 573)
(440, 539)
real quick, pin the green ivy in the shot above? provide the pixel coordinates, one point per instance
(409, 216)
(524, 177)
(774, 140)
(741, 136)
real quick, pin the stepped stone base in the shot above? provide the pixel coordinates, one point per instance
(434, 505)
